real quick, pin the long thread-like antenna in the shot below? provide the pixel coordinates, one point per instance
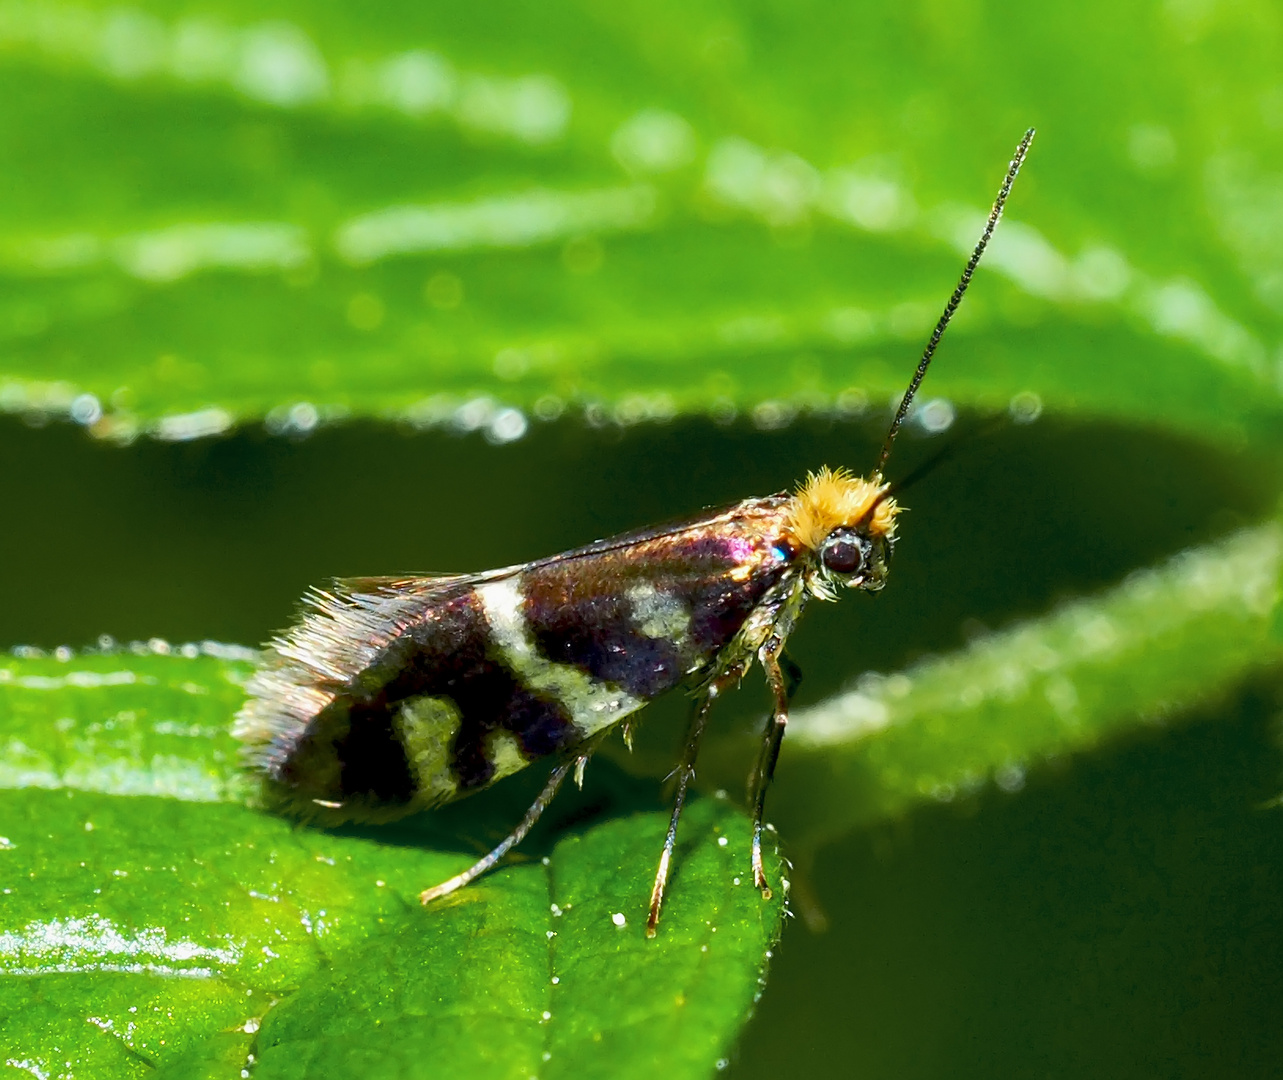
(956, 298)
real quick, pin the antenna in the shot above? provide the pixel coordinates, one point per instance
(956, 298)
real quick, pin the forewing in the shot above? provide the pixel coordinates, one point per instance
(392, 693)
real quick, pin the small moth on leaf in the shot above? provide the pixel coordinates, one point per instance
(394, 694)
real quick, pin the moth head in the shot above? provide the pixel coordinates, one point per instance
(846, 526)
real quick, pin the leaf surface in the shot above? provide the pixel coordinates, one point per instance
(472, 216)
(149, 925)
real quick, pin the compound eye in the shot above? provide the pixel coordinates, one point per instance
(843, 556)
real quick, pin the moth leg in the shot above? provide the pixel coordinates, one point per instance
(792, 674)
(781, 689)
(559, 774)
(685, 773)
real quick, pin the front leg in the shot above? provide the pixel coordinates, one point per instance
(782, 676)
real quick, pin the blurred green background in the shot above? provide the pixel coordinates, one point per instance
(298, 290)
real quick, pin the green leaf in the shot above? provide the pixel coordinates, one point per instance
(301, 215)
(544, 971)
(153, 721)
(151, 924)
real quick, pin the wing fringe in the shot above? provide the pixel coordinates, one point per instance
(341, 630)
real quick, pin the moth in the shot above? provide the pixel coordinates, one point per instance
(395, 694)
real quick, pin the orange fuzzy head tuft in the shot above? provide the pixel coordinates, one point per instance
(833, 499)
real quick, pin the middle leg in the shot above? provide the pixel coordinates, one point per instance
(782, 675)
(685, 773)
